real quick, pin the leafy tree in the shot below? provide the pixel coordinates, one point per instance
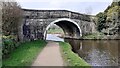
(101, 19)
(112, 13)
(107, 9)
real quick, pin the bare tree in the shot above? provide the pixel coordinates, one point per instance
(11, 15)
(88, 10)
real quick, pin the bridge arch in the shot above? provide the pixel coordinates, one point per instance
(71, 28)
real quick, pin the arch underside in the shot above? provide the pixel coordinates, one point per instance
(71, 30)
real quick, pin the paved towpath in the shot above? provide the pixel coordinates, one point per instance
(50, 56)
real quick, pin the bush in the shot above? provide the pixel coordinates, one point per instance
(8, 45)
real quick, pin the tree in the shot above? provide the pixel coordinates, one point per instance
(11, 17)
(88, 10)
(101, 21)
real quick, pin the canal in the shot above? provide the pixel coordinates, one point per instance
(95, 52)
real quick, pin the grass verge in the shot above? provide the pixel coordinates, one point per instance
(25, 54)
(96, 35)
(70, 58)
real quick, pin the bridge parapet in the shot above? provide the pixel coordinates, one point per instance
(47, 14)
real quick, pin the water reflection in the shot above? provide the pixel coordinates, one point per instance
(96, 52)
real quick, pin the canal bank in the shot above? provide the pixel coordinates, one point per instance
(38, 53)
(71, 58)
(59, 54)
(24, 55)
(100, 36)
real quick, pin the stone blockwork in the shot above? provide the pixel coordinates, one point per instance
(36, 22)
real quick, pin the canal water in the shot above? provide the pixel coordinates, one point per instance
(95, 52)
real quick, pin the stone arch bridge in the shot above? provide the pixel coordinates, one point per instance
(35, 23)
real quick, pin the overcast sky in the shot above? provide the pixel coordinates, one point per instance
(82, 6)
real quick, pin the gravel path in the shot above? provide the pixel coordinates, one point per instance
(50, 56)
